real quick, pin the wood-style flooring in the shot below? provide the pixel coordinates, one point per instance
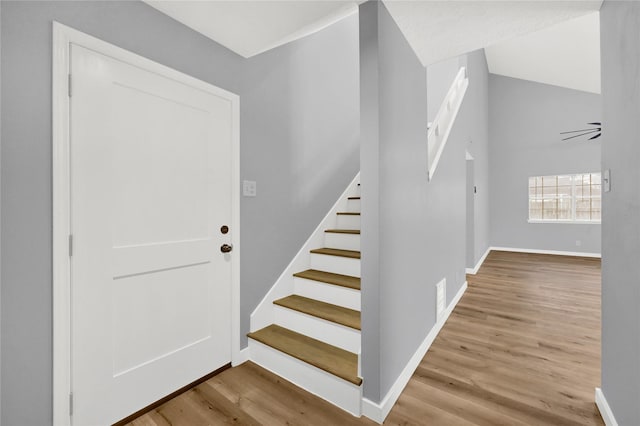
(521, 348)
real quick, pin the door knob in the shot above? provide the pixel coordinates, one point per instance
(226, 248)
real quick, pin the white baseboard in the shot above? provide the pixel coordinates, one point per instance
(379, 411)
(243, 356)
(555, 252)
(605, 410)
(475, 269)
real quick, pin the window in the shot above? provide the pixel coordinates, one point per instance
(565, 198)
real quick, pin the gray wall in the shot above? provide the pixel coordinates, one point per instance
(280, 137)
(470, 255)
(419, 225)
(300, 141)
(0, 217)
(620, 47)
(473, 124)
(525, 121)
(370, 199)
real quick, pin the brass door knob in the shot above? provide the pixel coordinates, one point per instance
(226, 248)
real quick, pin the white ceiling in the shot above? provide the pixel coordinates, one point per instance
(252, 27)
(441, 29)
(566, 54)
(436, 30)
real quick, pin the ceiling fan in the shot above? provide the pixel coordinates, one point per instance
(595, 132)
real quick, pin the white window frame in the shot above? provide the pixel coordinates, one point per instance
(572, 221)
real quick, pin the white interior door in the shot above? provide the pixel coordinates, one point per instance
(150, 190)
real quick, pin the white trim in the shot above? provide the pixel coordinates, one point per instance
(438, 132)
(236, 357)
(263, 314)
(569, 222)
(475, 269)
(243, 356)
(63, 36)
(605, 409)
(61, 228)
(554, 252)
(379, 411)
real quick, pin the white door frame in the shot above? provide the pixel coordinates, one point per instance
(63, 36)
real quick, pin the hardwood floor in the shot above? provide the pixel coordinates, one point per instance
(247, 395)
(521, 348)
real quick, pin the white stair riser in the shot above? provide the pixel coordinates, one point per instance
(342, 241)
(347, 221)
(326, 331)
(329, 293)
(353, 206)
(336, 264)
(339, 392)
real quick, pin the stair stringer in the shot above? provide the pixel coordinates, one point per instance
(264, 314)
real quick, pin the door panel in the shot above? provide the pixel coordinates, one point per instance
(136, 339)
(150, 188)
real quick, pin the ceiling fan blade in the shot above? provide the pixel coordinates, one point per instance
(595, 124)
(596, 136)
(581, 134)
(576, 131)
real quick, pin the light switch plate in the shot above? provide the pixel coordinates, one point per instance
(606, 180)
(249, 188)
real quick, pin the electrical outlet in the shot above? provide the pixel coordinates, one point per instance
(578, 243)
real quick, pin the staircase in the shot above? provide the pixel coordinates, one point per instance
(313, 339)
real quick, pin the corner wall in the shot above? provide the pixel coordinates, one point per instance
(300, 139)
(413, 230)
(525, 121)
(620, 46)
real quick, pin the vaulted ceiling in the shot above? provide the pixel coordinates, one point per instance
(435, 29)
(566, 54)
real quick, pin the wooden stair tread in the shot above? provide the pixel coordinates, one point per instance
(337, 252)
(349, 213)
(353, 198)
(331, 359)
(343, 231)
(330, 278)
(334, 313)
